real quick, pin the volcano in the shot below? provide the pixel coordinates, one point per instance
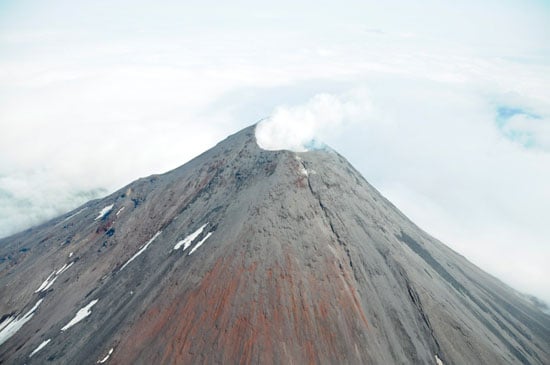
(244, 255)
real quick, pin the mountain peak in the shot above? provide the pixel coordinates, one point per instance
(245, 255)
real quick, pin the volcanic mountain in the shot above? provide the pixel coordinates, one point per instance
(250, 256)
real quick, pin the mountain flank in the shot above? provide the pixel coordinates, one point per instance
(250, 256)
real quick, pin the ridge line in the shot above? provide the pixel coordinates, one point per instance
(317, 196)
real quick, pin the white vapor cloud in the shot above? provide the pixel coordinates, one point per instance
(296, 128)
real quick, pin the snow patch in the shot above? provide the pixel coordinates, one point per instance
(7, 321)
(106, 357)
(200, 243)
(53, 276)
(438, 360)
(303, 170)
(104, 212)
(119, 211)
(70, 255)
(61, 270)
(141, 250)
(13, 325)
(65, 267)
(40, 347)
(80, 315)
(46, 283)
(49, 284)
(186, 242)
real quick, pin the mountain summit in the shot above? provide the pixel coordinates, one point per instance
(250, 256)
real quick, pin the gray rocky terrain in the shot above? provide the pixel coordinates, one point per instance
(251, 256)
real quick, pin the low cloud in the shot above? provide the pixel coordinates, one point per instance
(82, 111)
(528, 130)
(26, 199)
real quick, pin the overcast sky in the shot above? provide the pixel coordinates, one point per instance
(444, 106)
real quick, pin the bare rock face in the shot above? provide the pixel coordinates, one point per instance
(251, 256)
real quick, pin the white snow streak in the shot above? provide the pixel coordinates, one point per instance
(6, 322)
(200, 243)
(65, 268)
(303, 170)
(61, 270)
(46, 283)
(104, 212)
(119, 211)
(80, 315)
(186, 242)
(106, 357)
(40, 347)
(53, 276)
(70, 254)
(49, 284)
(142, 249)
(74, 214)
(438, 360)
(13, 326)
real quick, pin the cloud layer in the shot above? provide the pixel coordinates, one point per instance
(450, 120)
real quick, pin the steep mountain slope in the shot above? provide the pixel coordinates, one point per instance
(251, 256)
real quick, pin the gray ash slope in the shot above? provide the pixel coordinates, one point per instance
(299, 260)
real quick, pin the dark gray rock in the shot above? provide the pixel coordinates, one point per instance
(302, 261)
